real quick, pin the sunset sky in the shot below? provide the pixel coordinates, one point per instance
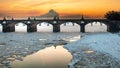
(24, 8)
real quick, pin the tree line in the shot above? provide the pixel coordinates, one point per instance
(114, 20)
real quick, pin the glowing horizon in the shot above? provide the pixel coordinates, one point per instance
(25, 8)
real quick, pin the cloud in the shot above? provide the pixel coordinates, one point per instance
(44, 3)
(35, 3)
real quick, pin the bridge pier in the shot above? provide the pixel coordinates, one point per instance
(56, 28)
(4, 28)
(82, 24)
(113, 26)
(108, 28)
(82, 28)
(56, 25)
(11, 27)
(31, 28)
(8, 28)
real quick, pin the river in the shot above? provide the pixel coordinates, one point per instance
(39, 49)
(35, 50)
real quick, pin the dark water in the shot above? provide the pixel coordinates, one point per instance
(50, 57)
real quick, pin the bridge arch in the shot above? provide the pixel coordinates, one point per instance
(96, 27)
(69, 27)
(20, 27)
(44, 27)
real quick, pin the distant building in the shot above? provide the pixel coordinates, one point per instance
(50, 14)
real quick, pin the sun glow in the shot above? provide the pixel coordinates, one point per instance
(24, 8)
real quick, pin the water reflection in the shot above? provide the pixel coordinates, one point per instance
(13, 48)
(50, 57)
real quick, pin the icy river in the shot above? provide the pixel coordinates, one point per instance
(35, 50)
(40, 49)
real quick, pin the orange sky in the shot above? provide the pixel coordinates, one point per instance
(24, 8)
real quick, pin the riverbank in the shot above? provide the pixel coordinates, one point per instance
(96, 51)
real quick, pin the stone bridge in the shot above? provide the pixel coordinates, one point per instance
(9, 25)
